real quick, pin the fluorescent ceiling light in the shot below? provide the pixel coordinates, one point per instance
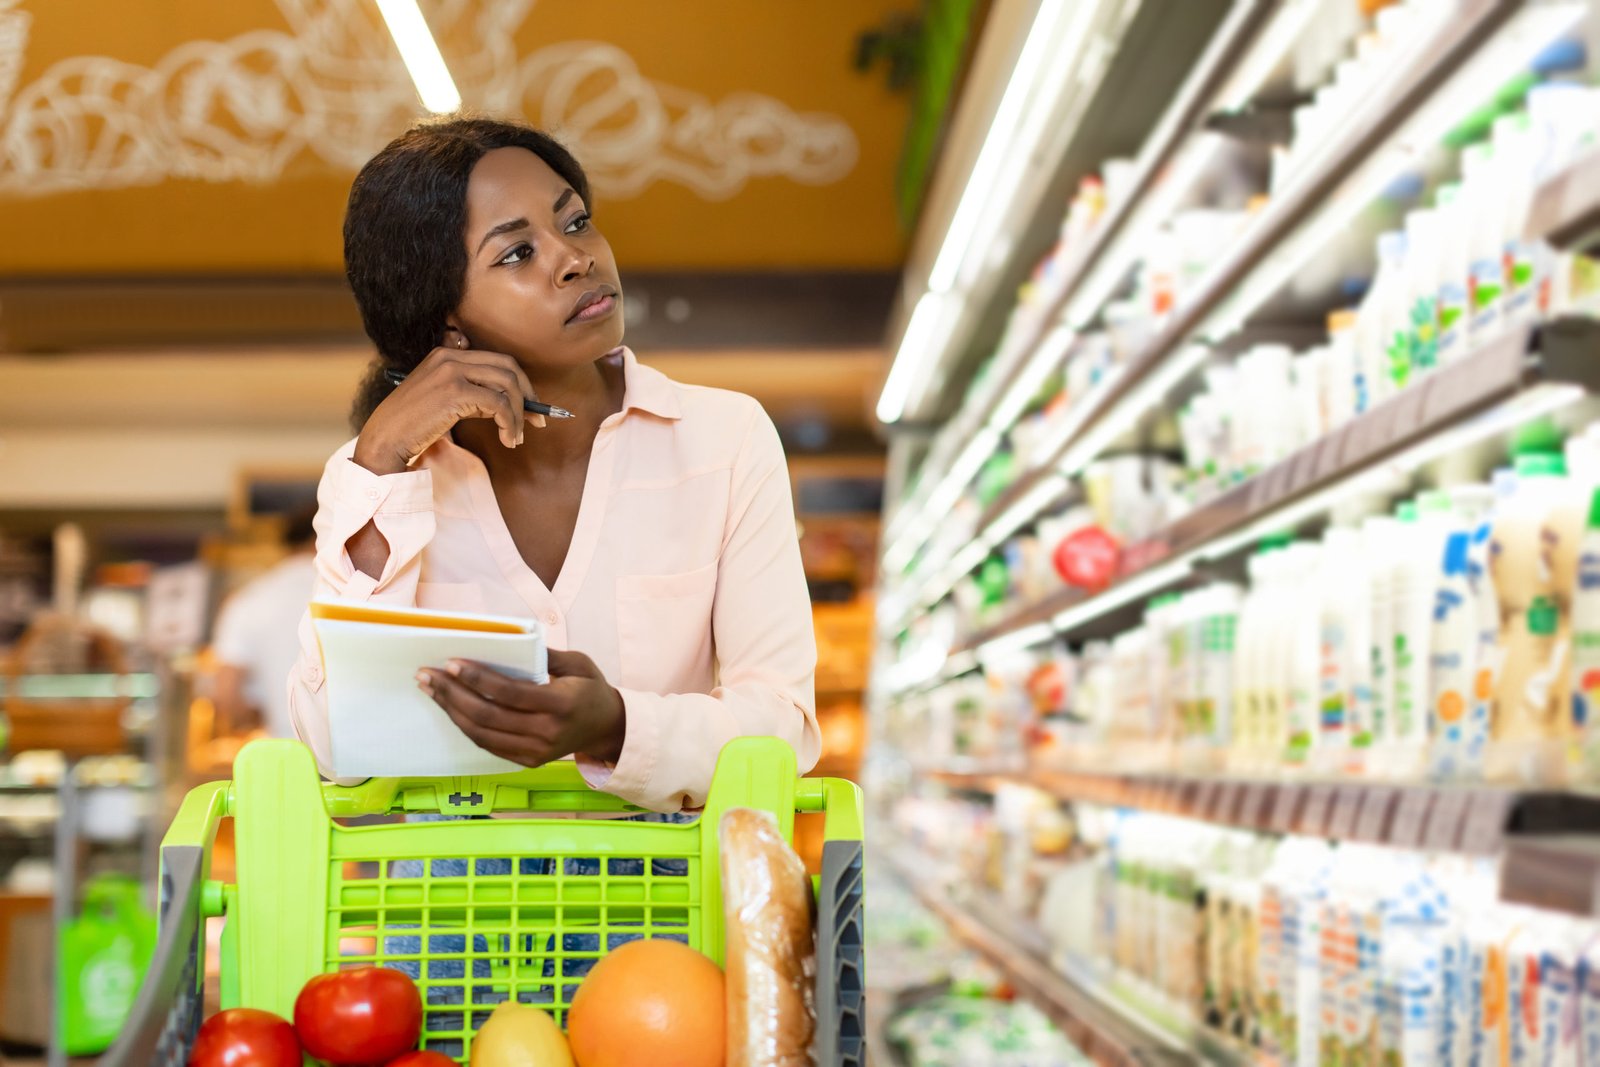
(913, 347)
(421, 54)
(997, 147)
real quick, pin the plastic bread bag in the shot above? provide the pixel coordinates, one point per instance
(771, 944)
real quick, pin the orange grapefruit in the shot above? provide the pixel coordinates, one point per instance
(655, 1003)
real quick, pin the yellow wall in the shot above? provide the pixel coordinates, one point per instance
(796, 51)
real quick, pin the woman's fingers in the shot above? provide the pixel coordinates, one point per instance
(515, 735)
(483, 402)
(493, 685)
(494, 359)
(495, 379)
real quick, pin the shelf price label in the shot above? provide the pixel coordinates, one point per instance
(1376, 809)
(1205, 800)
(1485, 827)
(1314, 816)
(1346, 809)
(1227, 809)
(1450, 808)
(1286, 809)
(1254, 808)
(1410, 816)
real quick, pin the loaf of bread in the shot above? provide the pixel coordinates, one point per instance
(771, 944)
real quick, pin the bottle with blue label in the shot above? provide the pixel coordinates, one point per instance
(1455, 636)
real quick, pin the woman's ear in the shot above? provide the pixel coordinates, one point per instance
(454, 337)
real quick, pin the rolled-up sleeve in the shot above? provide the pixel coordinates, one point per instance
(348, 498)
(765, 650)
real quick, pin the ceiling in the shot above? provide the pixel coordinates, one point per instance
(188, 137)
(173, 175)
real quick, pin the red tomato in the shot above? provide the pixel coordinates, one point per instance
(359, 1018)
(245, 1037)
(423, 1059)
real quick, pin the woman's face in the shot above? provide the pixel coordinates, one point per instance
(541, 284)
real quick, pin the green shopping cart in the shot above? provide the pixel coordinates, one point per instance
(479, 910)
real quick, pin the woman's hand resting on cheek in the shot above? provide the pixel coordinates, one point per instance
(450, 385)
(578, 712)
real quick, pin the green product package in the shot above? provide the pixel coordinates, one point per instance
(104, 954)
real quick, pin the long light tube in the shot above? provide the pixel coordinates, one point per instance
(421, 55)
(913, 346)
(998, 146)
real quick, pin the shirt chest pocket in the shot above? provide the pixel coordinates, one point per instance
(664, 630)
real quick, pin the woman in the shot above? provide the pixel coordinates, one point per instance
(653, 533)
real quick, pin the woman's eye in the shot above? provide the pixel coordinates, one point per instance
(517, 254)
(579, 224)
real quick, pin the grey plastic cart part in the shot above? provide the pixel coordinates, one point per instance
(166, 1016)
(841, 976)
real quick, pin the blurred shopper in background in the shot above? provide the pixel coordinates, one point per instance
(256, 643)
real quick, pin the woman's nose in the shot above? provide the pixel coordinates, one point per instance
(575, 266)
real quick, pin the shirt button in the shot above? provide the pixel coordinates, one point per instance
(552, 618)
(372, 494)
(314, 675)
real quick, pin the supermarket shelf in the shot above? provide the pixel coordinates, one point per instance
(963, 444)
(1147, 376)
(1480, 820)
(1108, 1031)
(1566, 209)
(1467, 395)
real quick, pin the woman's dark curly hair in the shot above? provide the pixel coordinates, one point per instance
(404, 251)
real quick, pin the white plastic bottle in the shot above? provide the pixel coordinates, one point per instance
(1423, 234)
(1359, 689)
(1338, 603)
(1486, 287)
(1307, 1020)
(1246, 742)
(1416, 573)
(1218, 614)
(1377, 323)
(1346, 383)
(1454, 646)
(1276, 655)
(1303, 625)
(1451, 304)
(1475, 504)
(1380, 536)
(1514, 148)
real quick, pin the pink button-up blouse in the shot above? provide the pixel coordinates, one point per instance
(683, 582)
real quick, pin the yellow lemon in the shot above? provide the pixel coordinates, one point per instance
(516, 1035)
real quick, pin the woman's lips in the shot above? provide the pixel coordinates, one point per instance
(599, 309)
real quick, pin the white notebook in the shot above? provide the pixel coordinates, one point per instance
(380, 724)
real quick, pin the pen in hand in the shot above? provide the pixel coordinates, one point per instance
(537, 407)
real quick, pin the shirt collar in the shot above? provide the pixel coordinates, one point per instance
(645, 388)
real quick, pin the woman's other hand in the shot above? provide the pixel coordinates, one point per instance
(450, 385)
(577, 712)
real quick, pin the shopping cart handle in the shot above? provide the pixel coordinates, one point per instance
(556, 786)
